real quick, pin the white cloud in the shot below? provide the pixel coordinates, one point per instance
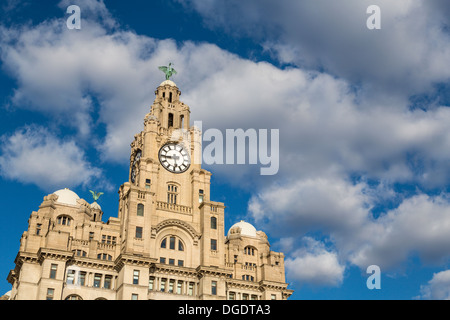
(315, 265)
(34, 155)
(410, 52)
(438, 288)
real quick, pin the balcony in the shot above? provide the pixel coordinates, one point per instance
(173, 207)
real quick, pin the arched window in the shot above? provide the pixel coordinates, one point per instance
(140, 209)
(213, 223)
(174, 243)
(249, 251)
(64, 220)
(104, 256)
(73, 297)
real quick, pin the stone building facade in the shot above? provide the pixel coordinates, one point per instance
(168, 240)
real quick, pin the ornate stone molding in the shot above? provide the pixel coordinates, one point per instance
(176, 223)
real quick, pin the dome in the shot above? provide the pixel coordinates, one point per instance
(95, 205)
(66, 196)
(168, 82)
(246, 229)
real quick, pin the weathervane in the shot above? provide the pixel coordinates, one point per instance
(168, 71)
(95, 195)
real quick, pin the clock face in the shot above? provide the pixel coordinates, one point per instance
(174, 158)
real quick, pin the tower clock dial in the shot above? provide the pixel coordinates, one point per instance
(174, 157)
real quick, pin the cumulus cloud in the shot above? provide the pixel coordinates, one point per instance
(438, 288)
(410, 52)
(314, 264)
(34, 155)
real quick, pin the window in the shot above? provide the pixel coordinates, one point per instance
(71, 277)
(38, 228)
(134, 296)
(91, 236)
(235, 258)
(163, 243)
(172, 192)
(97, 280)
(245, 296)
(180, 263)
(136, 277)
(147, 183)
(180, 246)
(170, 100)
(104, 256)
(214, 288)
(213, 223)
(79, 253)
(172, 243)
(249, 251)
(64, 220)
(163, 285)
(172, 262)
(200, 195)
(73, 297)
(53, 269)
(179, 287)
(273, 297)
(108, 280)
(151, 283)
(191, 289)
(213, 244)
(50, 293)
(140, 210)
(139, 232)
(170, 122)
(254, 297)
(82, 278)
(171, 285)
(181, 121)
(231, 296)
(162, 260)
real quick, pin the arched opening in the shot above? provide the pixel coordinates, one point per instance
(170, 122)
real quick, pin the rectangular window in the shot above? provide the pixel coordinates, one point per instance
(147, 183)
(97, 280)
(214, 288)
(107, 284)
(179, 287)
(140, 210)
(172, 262)
(213, 223)
(191, 289)
(213, 244)
(134, 296)
(82, 278)
(38, 229)
(171, 285)
(163, 285)
(273, 297)
(162, 260)
(139, 232)
(50, 293)
(151, 283)
(172, 243)
(91, 236)
(200, 196)
(231, 296)
(136, 277)
(103, 238)
(53, 269)
(245, 296)
(71, 277)
(180, 263)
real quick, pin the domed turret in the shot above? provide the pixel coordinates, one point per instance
(243, 228)
(66, 196)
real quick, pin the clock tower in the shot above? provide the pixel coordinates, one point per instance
(168, 240)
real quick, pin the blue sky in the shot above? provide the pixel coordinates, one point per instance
(363, 117)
